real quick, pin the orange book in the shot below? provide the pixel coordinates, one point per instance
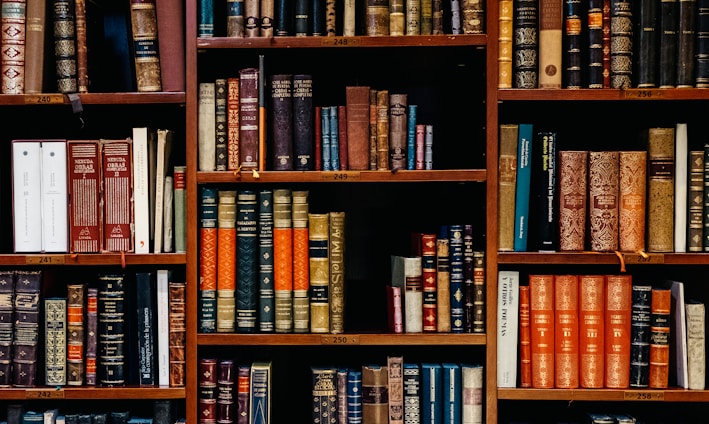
(525, 354)
(301, 263)
(226, 261)
(618, 307)
(566, 331)
(591, 331)
(428, 273)
(283, 259)
(541, 324)
(660, 338)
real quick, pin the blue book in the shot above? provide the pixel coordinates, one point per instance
(247, 261)
(452, 393)
(334, 140)
(524, 175)
(208, 297)
(431, 394)
(260, 391)
(411, 138)
(412, 393)
(205, 24)
(455, 246)
(325, 135)
(266, 315)
(354, 397)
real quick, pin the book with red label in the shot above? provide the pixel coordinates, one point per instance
(661, 304)
(84, 168)
(566, 329)
(591, 330)
(618, 306)
(117, 193)
(428, 274)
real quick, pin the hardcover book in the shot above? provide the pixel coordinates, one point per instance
(456, 245)
(337, 271)
(541, 325)
(443, 300)
(395, 317)
(64, 36)
(55, 341)
(681, 187)
(594, 51)
(504, 40)
(472, 393)
(208, 212)
(375, 394)
(397, 131)
(660, 189)
(35, 30)
(7, 306)
(646, 46)
(146, 304)
(206, 126)
(412, 392)
(395, 388)
(28, 285)
(260, 403)
(249, 80)
(603, 200)
(243, 390)
(226, 262)
(117, 183)
(283, 259)
(431, 392)
(281, 109)
(266, 313)
(324, 394)
(303, 123)
(84, 196)
(551, 26)
(452, 391)
(162, 324)
(26, 193)
(695, 202)
(342, 137)
(566, 328)
(171, 51)
(632, 200)
(696, 349)
(618, 309)
(640, 320)
(429, 283)
(143, 139)
(318, 251)
(701, 78)
(301, 263)
(573, 40)
(573, 196)
(354, 396)
(91, 334)
(144, 26)
(357, 100)
(547, 196)
(207, 389)
(525, 44)
(13, 40)
(177, 339)
(221, 95)
(523, 185)
(232, 123)
(75, 300)
(660, 327)
(525, 353)
(111, 359)
(507, 327)
(341, 383)
(180, 198)
(621, 42)
(246, 261)
(668, 25)
(54, 196)
(678, 372)
(382, 130)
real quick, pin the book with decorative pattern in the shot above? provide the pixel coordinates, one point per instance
(7, 306)
(618, 309)
(324, 394)
(631, 202)
(144, 26)
(541, 325)
(91, 335)
(621, 44)
(695, 203)
(226, 262)
(247, 261)
(337, 271)
(249, 80)
(221, 95)
(111, 359)
(525, 353)
(504, 40)
(443, 301)
(232, 123)
(177, 342)
(573, 195)
(55, 341)
(117, 186)
(660, 328)
(243, 388)
(412, 392)
(603, 200)
(84, 195)
(456, 246)
(525, 44)
(64, 36)
(318, 251)
(28, 284)
(266, 313)
(640, 335)
(13, 41)
(301, 262)
(566, 328)
(395, 384)
(283, 259)
(208, 212)
(591, 330)
(429, 281)
(75, 327)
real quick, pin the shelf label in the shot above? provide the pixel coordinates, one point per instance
(44, 99)
(654, 395)
(340, 176)
(339, 340)
(340, 41)
(648, 258)
(643, 94)
(44, 394)
(45, 260)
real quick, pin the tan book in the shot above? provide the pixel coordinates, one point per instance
(337, 272)
(696, 348)
(566, 328)
(507, 183)
(377, 17)
(382, 130)
(573, 196)
(660, 189)
(357, 102)
(144, 25)
(375, 388)
(504, 41)
(397, 17)
(631, 205)
(35, 30)
(318, 249)
(443, 288)
(603, 200)
(551, 25)
(373, 129)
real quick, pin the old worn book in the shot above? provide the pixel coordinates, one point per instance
(337, 271)
(507, 180)
(177, 338)
(525, 44)
(303, 123)
(248, 118)
(171, 48)
(84, 193)
(429, 283)
(247, 261)
(64, 36)
(507, 327)
(646, 46)
(206, 121)
(226, 261)
(640, 335)
(443, 301)
(375, 393)
(220, 124)
(377, 17)
(318, 250)
(301, 262)
(341, 137)
(207, 383)
(266, 312)
(573, 40)
(504, 43)
(372, 129)
(551, 28)
(472, 393)
(91, 335)
(525, 353)
(541, 324)
(28, 285)
(283, 259)
(603, 200)
(232, 117)
(591, 330)
(660, 189)
(594, 50)
(566, 328)
(573, 196)
(701, 78)
(667, 25)
(82, 65)
(13, 42)
(660, 328)
(55, 332)
(395, 388)
(397, 131)
(144, 26)
(382, 130)
(696, 348)
(7, 306)
(632, 200)
(208, 229)
(243, 389)
(324, 393)
(695, 201)
(357, 100)
(618, 308)
(621, 42)
(412, 392)
(35, 37)
(117, 155)
(281, 109)
(457, 279)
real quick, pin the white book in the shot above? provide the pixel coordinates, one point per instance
(413, 310)
(50, 416)
(26, 195)
(163, 327)
(349, 12)
(681, 175)
(164, 150)
(507, 327)
(141, 190)
(168, 217)
(696, 348)
(55, 214)
(206, 136)
(679, 331)
(472, 382)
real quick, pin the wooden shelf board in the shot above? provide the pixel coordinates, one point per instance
(93, 259)
(462, 175)
(444, 40)
(92, 393)
(585, 94)
(405, 339)
(605, 395)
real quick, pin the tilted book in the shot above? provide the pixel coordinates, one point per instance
(541, 325)
(507, 327)
(246, 261)
(55, 341)
(696, 348)
(146, 329)
(395, 388)
(573, 195)
(318, 251)
(117, 182)
(163, 165)
(281, 110)
(75, 327)
(640, 335)
(660, 328)
(357, 100)
(301, 263)
(632, 200)
(324, 388)
(208, 210)
(144, 26)
(603, 200)
(375, 394)
(524, 175)
(566, 328)
(84, 196)
(283, 259)
(525, 353)
(266, 313)
(618, 309)
(507, 181)
(226, 262)
(303, 123)
(678, 372)
(13, 40)
(260, 403)
(206, 126)
(660, 189)
(337, 271)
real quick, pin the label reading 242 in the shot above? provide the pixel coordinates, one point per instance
(44, 394)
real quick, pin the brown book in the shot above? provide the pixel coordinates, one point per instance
(566, 329)
(551, 25)
(473, 16)
(12, 41)
(171, 47)
(618, 307)
(443, 299)
(82, 67)
(573, 195)
(373, 129)
(631, 205)
(428, 275)
(35, 31)
(603, 200)
(91, 335)
(226, 261)
(660, 189)
(64, 36)
(377, 17)
(375, 392)
(504, 43)
(525, 353)
(395, 389)
(541, 325)
(249, 118)
(342, 137)
(144, 27)
(695, 200)
(382, 130)
(661, 303)
(479, 291)
(358, 125)
(398, 131)
(117, 194)
(75, 301)
(591, 331)
(220, 124)
(507, 182)
(267, 15)
(178, 332)
(232, 116)
(84, 169)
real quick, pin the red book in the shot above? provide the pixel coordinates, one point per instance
(117, 193)
(395, 317)
(283, 259)
(342, 136)
(566, 331)
(525, 354)
(358, 114)
(541, 324)
(428, 273)
(207, 400)
(661, 303)
(591, 331)
(249, 119)
(618, 306)
(84, 196)
(171, 48)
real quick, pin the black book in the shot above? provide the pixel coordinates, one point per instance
(646, 47)
(594, 51)
(640, 336)
(163, 412)
(573, 44)
(303, 121)
(669, 23)
(281, 110)
(546, 195)
(702, 45)
(247, 249)
(64, 27)
(525, 45)
(686, 43)
(283, 22)
(266, 315)
(26, 331)
(145, 328)
(111, 330)
(7, 295)
(302, 17)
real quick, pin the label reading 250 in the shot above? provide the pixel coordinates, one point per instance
(340, 340)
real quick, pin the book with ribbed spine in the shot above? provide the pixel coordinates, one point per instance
(301, 263)
(542, 332)
(341, 382)
(84, 180)
(573, 195)
(594, 51)
(91, 335)
(55, 333)
(525, 44)
(75, 323)
(144, 26)
(243, 388)
(177, 339)
(111, 355)
(640, 335)
(591, 330)
(260, 384)
(397, 131)
(281, 110)
(146, 302)
(249, 80)
(603, 177)
(337, 271)
(354, 396)
(646, 44)
(13, 40)
(247, 261)
(551, 28)
(525, 353)
(208, 213)
(632, 167)
(36, 26)
(232, 118)
(358, 117)
(429, 281)
(179, 173)
(621, 42)
(504, 41)
(283, 259)
(226, 262)
(573, 40)
(472, 392)
(117, 185)
(324, 391)
(695, 203)
(618, 309)
(221, 95)
(660, 328)
(667, 25)
(375, 393)
(64, 36)
(660, 189)
(303, 123)
(566, 327)
(701, 77)
(468, 278)
(266, 314)
(395, 389)
(443, 321)
(382, 130)
(28, 284)
(7, 301)
(457, 280)
(207, 394)
(318, 252)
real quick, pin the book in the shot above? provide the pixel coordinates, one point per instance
(573, 197)
(603, 175)
(677, 357)
(326, 142)
(457, 279)
(573, 40)
(443, 300)
(668, 25)
(507, 182)
(28, 284)
(220, 124)
(395, 316)
(84, 182)
(397, 17)
(91, 335)
(266, 313)
(318, 252)
(472, 393)
(606, 41)
(621, 38)
(395, 388)
(701, 77)
(413, 133)
(375, 394)
(541, 325)
(180, 207)
(660, 329)
(341, 384)
(525, 44)
(171, 51)
(695, 201)
(413, 17)
(232, 121)
(54, 196)
(504, 43)
(550, 43)
(260, 391)
(681, 186)
(547, 196)
(205, 18)
(64, 36)
(406, 275)
(354, 395)
(207, 383)
(632, 200)
(397, 131)
(377, 18)
(594, 49)
(246, 261)
(358, 114)
(646, 47)
(142, 138)
(429, 283)
(696, 349)
(177, 338)
(472, 16)
(117, 172)
(566, 329)
(431, 392)
(524, 174)
(35, 31)
(451, 381)
(373, 137)
(26, 195)
(243, 390)
(412, 392)
(206, 121)
(301, 262)
(226, 255)
(249, 80)
(163, 325)
(281, 110)
(146, 303)
(283, 259)
(144, 27)
(80, 22)
(525, 353)
(660, 189)
(705, 201)
(13, 41)
(7, 306)
(640, 320)
(303, 123)
(618, 309)
(55, 333)
(342, 137)
(111, 360)
(382, 130)
(208, 229)
(334, 129)
(336, 258)
(507, 327)
(324, 388)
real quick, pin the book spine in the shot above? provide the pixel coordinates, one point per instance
(55, 331)
(146, 332)
(375, 408)
(550, 43)
(525, 44)
(225, 391)
(220, 124)
(208, 210)
(111, 354)
(246, 261)
(207, 390)
(205, 20)
(395, 381)
(606, 41)
(566, 327)
(117, 190)
(243, 389)
(573, 41)
(373, 138)
(428, 275)
(452, 390)
(660, 302)
(646, 43)
(162, 319)
(632, 200)
(26, 195)
(54, 196)
(178, 332)
(701, 78)
(696, 350)
(266, 317)
(179, 173)
(603, 200)
(397, 131)
(334, 139)
(382, 130)
(324, 388)
(232, 117)
(469, 280)
(618, 309)
(13, 40)
(283, 259)
(163, 152)
(541, 325)
(397, 17)
(303, 123)
(457, 280)
(7, 305)
(206, 120)
(358, 126)
(507, 181)
(35, 30)
(395, 310)
(260, 402)
(443, 305)
(695, 195)
(524, 175)
(525, 353)
(337, 272)
(431, 393)
(226, 260)
(548, 221)
(472, 396)
(26, 329)
(91, 334)
(342, 137)
(660, 189)
(668, 25)
(341, 384)
(144, 25)
(507, 326)
(171, 20)
(573, 195)
(354, 396)
(411, 135)
(326, 149)
(640, 335)
(318, 251)
(705, 201)
(267, 14)
(594, 67)
(84, 193)
(248, 117)
(431, 17)
(621, 42)
(281, 89)
(301, 263)
(473, 17)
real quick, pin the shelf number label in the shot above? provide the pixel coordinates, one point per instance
(44, 394)
(339, 340)
(636, 258)
(44, 99)
(45, 260)
(340, 41)
(340, 176)
(655, 395)
(640, 94)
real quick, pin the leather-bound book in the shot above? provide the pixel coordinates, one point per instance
(75, 326)
(252, 18)
(632, 200)
(695, 205)
(226, 261)
(668, 25)
(84, 194)
(397, 131)
(696, 348)
(283, 259)
(606, 41)
(207, 390)
(468, 277)
(413, 17)
(91, 334)
(28, 285)
(342, 137)
(397, 17)
(267, 10)
(208, 218)
(621, 44)
(266, 317)
(220, 124)
(144, 25)
(505, 43)
(372, 129)
(573, 39)
(243, 384)
(443, 300)
(591, 330)
(456, 246)
(660, 189)
(473, 17)
(55, 341)
(525, 44)
(646, 43)
(547, 195)
(412, 392)
(428, 274)
(573, 196)
(479, 291)
(318, 249)
(331, 18)
(301, 262)
(232, 118)
(82, 71)
(603, 200)
(395, 382)
(286, 25)
(7, 299)
(541, 324)
(566, 328)
(358, 114)
(640, 335)
(375, 393)
(35, 39)
(432, 392)
(171, 48)
(248, 118)
(594, 50)
(303, 123)
(117, 200)
(13, 41)
(246, 261)
(618, 308)
(226, 382)
(382, 130)
(377, 17)
(178, 332)
(337, 271)
(111, 365)
(660, 338)
(525, 352)
(507, 180)
(324, 392)
(551, 27)
(281, 107)
(701, 77)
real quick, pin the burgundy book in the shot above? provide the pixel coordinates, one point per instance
(242, 394)
(358, 126)
(84, 169)
(13, 47)
(342, 136)
(398, 131)
(178, 332)
(281, 119)
(428, 273)
(303, 123)
(248, 119)
(171, 46)
(117, 193)
(82, 69)
(91, 334)
(207, 391)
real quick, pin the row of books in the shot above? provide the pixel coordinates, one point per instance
(91, 337)
(89, 39)
(123, 195)
(598, 331)
(234, 393)
(649, 44)
(375, 129)
(163, 412)
(269, 18)
(632, 200)
(269, 264)
(441, 288)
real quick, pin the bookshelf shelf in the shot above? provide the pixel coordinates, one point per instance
(605, 395)
(94, 259)
(93, 99)
(633, 94)
(459, 175)
(590, 258)
(91, 393)
(346, 339)
(343, 42)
